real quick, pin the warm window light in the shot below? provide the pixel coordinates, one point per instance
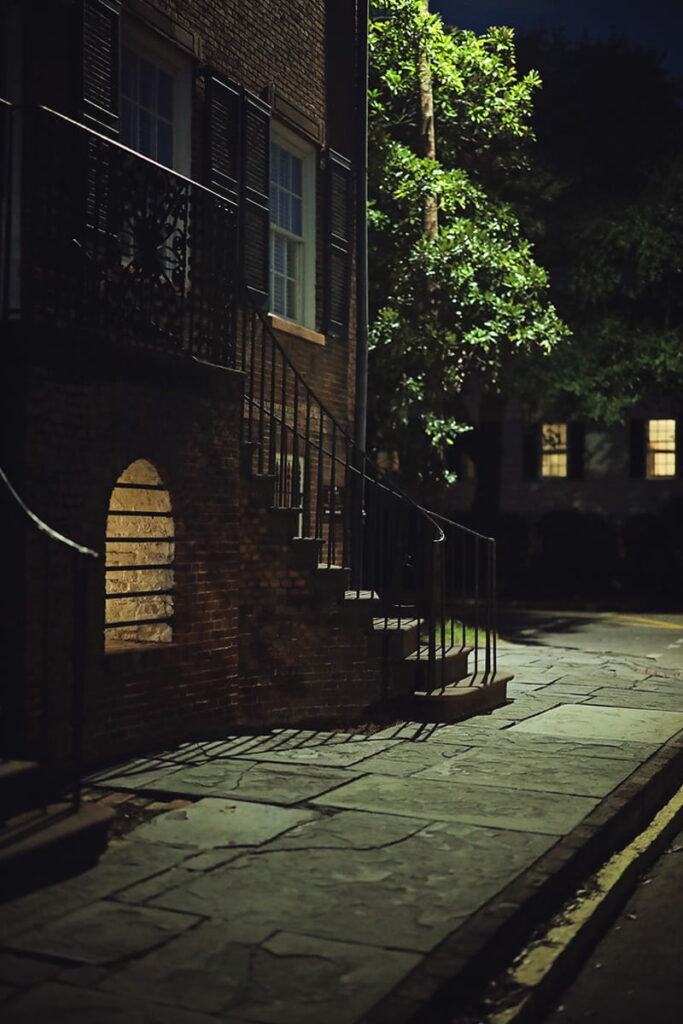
(554, 449)
(661, 448)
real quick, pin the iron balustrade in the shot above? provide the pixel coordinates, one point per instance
(420, 568)
(100, 237)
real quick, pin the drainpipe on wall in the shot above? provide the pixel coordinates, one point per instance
(362, 311)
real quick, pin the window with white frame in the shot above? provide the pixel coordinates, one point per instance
(292, 229)
(661, 448)
(155, 99)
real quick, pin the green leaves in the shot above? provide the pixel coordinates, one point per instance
(464, 302)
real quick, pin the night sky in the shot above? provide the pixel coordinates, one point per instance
(654, 23)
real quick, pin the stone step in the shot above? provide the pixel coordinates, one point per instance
(447, 667)
(470, 696)
(399, 635)
(305, 552)
(331, 580)
(20, 787)
(40, 846)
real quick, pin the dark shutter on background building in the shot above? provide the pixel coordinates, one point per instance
(255, 205)
(576, 447)
(637, 449)
(100, 44)
(531, 451)
(339, 206)
(679, 446)
(222, 136)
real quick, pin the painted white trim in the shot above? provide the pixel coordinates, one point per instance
(306, 152)
(156, 49)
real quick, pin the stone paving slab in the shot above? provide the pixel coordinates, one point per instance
(545, 771)
(287, 977)
(124, 863)
(241, 780)
(521, 810)
(340, 754)
(103, 932)
(671, 701)
(405, 758)
(54, 1003)
(216, 822)
(407, 893)
(590, 721)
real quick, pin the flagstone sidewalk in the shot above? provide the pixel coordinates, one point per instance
(346, 876)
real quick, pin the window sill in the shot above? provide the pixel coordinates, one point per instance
(296, 330)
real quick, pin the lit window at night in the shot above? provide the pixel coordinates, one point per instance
(554, 449)
(661, 448)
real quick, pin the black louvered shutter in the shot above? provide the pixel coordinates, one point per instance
(255, 203)
(100, 44)
(679, 446)
(531, 451)
(637, 449)
(576, 448)
(339, 202)
(222, 136)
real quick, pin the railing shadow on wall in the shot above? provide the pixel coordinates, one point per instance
(98, 236)
(33, 715)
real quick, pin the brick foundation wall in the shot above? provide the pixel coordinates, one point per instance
(85, 422)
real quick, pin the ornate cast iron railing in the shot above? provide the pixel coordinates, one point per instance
(97, 236)
(423, 569)
(100, 237)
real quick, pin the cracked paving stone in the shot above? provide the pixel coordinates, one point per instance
(510, 742)
(276, 979)
(658, 684)
(103, 932)
(124, 863)
(638, 699)
(593, 722)
(519, 809)
(245, 780)
(404, 759)
(213, 822)
(408, 894)
(206, 969)
(530, 769)
(341, 754)
(54, 1003)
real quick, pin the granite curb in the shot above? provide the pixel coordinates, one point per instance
(455, 973)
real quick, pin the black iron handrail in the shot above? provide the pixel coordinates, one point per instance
(99, 236)
(95, 234)
(423, 569)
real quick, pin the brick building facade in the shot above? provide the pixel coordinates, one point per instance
(116, 364)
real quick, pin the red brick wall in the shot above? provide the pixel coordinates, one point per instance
(85, 423)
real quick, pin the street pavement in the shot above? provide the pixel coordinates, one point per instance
(635, 972)
(321, 876)
(655, 636)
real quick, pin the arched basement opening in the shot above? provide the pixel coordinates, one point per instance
(140, 549)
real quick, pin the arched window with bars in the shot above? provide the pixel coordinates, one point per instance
(140, 548)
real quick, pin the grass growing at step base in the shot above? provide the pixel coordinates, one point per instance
(452, 635)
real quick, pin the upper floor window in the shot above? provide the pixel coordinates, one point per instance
(661, 448)
(554, 449)
(155, 99)
(292, 232)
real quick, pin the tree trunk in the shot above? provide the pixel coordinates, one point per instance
(427, 142)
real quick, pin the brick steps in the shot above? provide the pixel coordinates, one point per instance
(41, 846)
(390, 643)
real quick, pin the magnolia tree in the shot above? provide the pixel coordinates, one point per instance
(454, 287)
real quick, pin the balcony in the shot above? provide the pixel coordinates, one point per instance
(99, 239)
